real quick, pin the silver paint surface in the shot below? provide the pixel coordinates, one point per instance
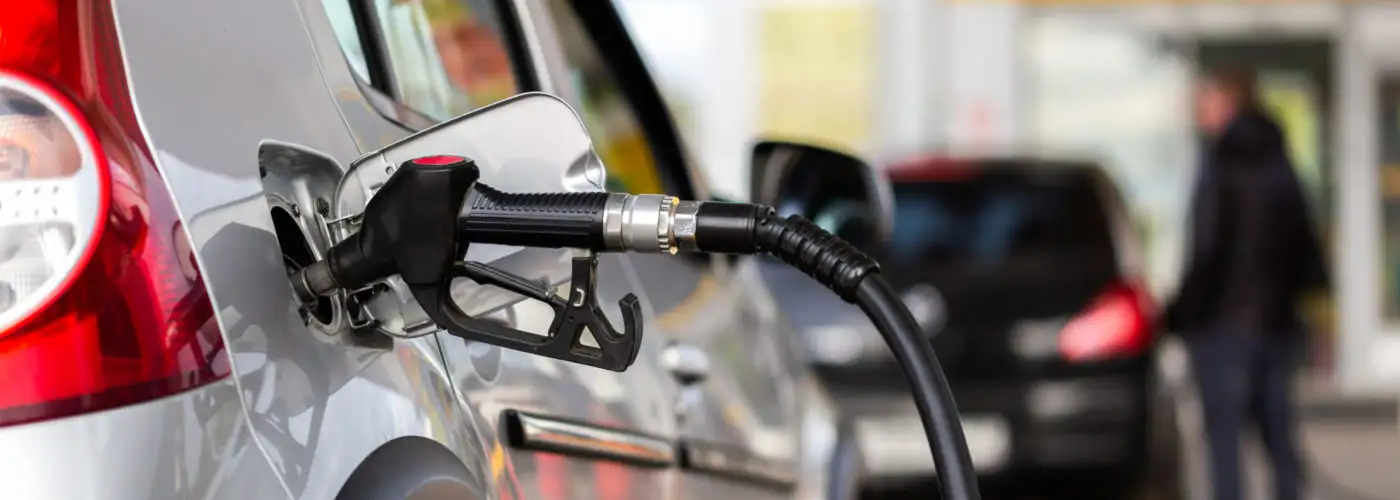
(214, 84)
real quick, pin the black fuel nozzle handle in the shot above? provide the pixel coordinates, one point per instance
(573, 316)
(420, 221)
(408, 228)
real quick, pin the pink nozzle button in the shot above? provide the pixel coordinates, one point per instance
(438, 160)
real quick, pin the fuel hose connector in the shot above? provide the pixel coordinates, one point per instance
(652, 223)
(745, 228)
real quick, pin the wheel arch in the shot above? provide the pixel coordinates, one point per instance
(412, 468)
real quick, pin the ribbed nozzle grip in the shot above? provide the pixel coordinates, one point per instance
(553, 220)
(829, 260)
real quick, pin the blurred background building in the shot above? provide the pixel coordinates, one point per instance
(1100, 79)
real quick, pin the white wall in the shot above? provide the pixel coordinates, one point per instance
(701, 52)
(706, 51)
(1105, 92)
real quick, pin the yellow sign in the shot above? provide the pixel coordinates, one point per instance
(816, 72)
(1293, 101)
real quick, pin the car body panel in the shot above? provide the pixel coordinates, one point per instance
(232, 84)
(316, 408)
(752, 403)
(194, 445)
(492, 380)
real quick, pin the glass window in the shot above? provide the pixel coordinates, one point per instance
(612, 122)
(1120, 96)
(1389, 126)
(1295, 99)
(995, 216)
(347, 33)
(446, 57)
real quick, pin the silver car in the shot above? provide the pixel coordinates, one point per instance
(164, 164)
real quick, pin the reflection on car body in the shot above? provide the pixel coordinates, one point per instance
(223, 137)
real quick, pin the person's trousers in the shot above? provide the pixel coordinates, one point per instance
(1245, 380)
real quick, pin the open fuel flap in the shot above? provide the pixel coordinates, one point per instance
(532, 142)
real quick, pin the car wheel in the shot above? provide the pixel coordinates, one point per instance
(1173, 401)
(1097, 489)
(1164, 448)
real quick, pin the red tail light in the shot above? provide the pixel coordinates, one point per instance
(101, 304)
(931, 168)
(1116, 324)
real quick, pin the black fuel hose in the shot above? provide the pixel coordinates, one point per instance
(742, 228)
(941, 424)
(856, 278)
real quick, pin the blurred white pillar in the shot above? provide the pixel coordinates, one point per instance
(984, 76)
(1356, 281)
(1369, 350)
(705, 50)
(731, 97)
(909, 61)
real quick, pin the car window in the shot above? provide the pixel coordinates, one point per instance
(611, 121)
(446, 57)
(994, 217)
(442, 57)
(347, 34)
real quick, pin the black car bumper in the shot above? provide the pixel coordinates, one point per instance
(1089, 419)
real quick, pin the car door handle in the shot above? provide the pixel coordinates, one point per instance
(687, 364)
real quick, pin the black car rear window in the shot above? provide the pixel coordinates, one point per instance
(995, 215)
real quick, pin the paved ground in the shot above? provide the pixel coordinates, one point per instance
(1348, 459)
(1351, 443)
(1351, 461)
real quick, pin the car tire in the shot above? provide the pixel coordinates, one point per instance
(1164, 478)
(1096, 488)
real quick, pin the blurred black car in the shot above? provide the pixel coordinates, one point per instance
(1024, 275)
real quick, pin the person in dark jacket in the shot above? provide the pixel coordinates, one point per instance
(1253, 252)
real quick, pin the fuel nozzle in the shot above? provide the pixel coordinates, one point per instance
(431, 208)
(421, 221)
(437, 201)
(408, 228)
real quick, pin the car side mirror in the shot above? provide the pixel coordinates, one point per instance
(836, 190)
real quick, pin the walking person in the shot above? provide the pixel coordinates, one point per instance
(1253, 252)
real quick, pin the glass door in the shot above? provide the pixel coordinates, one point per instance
(1118, 95)
(1388, 124)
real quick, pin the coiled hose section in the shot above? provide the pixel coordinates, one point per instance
(856, 278)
